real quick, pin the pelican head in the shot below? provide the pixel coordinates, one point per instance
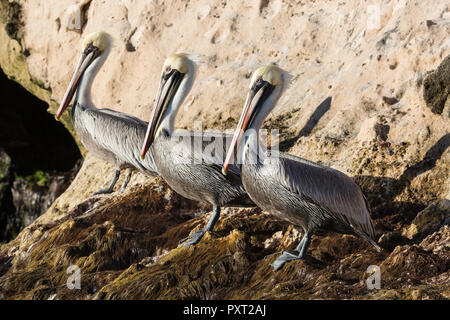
(266, 85)
(176, 81)
(94, 45)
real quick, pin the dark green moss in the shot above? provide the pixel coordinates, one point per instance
(38, 178)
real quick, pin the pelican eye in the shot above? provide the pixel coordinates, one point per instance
(258, 84)
(266, 87)
(91, 48)
(168, 72)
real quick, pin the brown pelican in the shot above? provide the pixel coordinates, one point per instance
(183, 164)
(110, 135)
(302, 192)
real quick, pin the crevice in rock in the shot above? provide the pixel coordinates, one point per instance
(84, 14)
(38, 158)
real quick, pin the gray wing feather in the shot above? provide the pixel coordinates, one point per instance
(120, 134)
(328, 188)
(191, 163)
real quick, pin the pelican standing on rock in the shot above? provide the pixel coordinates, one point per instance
(109, 135)
(299, 191)
(182, 164)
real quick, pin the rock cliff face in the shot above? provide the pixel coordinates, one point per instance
(369, 96)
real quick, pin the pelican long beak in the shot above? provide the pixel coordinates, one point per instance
(254, 99)
(85, 60)
(167, 88)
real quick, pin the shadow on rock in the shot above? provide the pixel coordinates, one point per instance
(320, 111)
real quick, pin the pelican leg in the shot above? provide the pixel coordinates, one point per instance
(197, 235)
(127, 179)
(111, 186)
(298, 253)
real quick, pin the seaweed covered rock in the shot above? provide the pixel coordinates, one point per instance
(126, 247)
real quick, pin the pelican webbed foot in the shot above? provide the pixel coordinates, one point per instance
(289, 255)
(286, 256)
(110, 189)
(103, 191)
(195, 237)
(127, 179)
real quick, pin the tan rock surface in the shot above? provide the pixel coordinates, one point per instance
(376, 127)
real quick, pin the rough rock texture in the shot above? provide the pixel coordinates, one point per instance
(355, 103)
(32, 197)
(437, 87)
(22, 200)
